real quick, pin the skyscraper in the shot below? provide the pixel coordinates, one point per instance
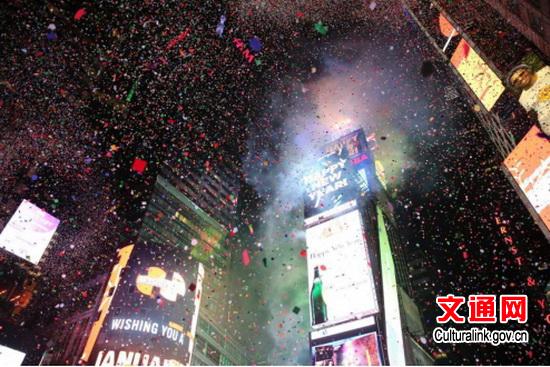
(363, 313)
(185, 234)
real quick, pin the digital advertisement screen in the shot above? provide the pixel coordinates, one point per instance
(362, 350)
(11, 357)
(153, 309)
(350, 145)
(529, 166)
(353, 146)
(28, 232)
(330, 183)
(483, 81)
(339, 271)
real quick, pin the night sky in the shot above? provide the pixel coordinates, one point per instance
(79, 103)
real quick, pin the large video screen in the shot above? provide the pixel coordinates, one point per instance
(529, 166)
(339, 271)
(330, 183)
(353, 146)
(483, 81)
(28, 232)
(152, 309)
(11, 357)
(362, 350)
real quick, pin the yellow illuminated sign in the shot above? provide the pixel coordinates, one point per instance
(529, 165)
(156, 279)
(483, 81)
(112, 284)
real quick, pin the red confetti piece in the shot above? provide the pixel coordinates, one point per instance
(303, 253)
(139, 165)
(323, 268)
(180, 37)
(245, 258)
(299, 14)
(192, 287)
(79, 14)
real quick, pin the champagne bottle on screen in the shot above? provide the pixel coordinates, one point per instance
(319, 308)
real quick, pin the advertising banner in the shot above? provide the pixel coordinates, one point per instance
(362, 350)
(353, 146)
(330, 183)
(483, 81)
(339, 271)
(28, 232)
(529, 166)
(149, 311)
(340, 176)
(11, 357)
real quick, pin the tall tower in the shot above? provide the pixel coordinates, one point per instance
(360, 310)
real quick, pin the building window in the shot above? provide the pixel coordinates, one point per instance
(200, 344)
(214, 354)
(224, 361)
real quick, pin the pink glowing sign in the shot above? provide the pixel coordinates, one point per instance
(28, 232)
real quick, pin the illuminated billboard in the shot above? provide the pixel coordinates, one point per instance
(354, 147)
(11, 357)
(330, 183)
(350, 145)
(483, 81)
(28, 232)
(149, 311)
(529, 166)
(362, 350)
(340, 176)
(340, 276)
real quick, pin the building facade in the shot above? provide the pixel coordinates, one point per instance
(174, 222)
(484, 43)
(531, 18)
(349, 220)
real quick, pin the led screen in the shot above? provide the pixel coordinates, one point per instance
(150, 309)
(331, 182)
(28, 232)
(337, 251)
(340, 176)
(354, 147)
(10, 357)
(350, 145)
(529, 166)
(483, 81)
(362, 350)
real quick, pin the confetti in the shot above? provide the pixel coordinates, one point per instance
(79, 14)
